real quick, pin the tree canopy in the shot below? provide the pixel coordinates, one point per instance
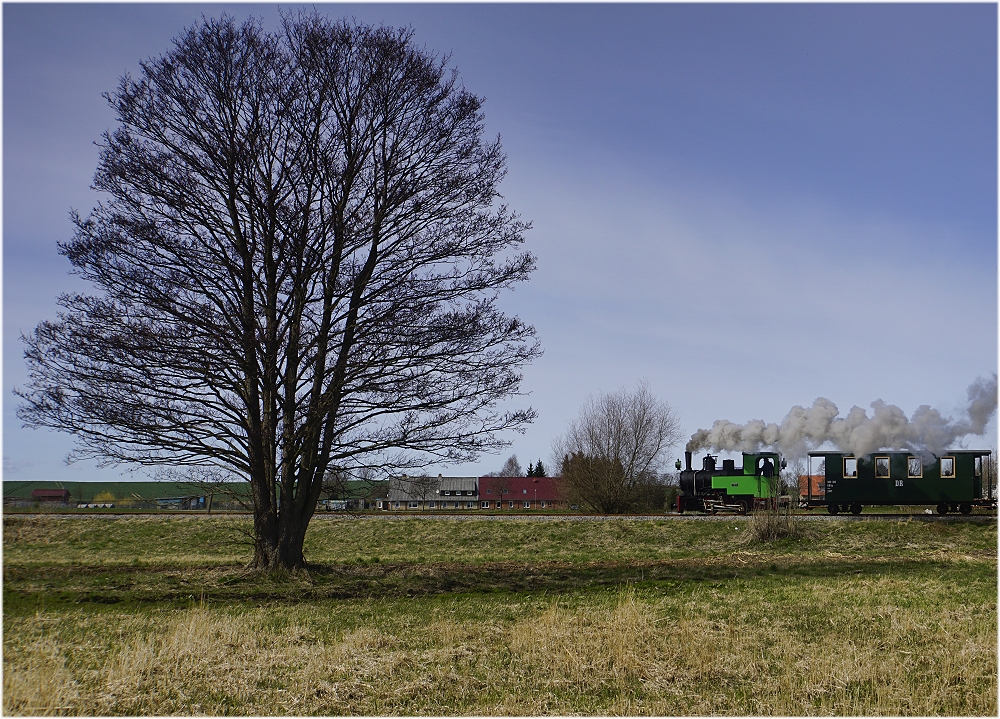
(613, 451)
(296, 269)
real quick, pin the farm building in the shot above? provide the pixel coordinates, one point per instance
(186, 502)
(425, 492)
(458, 492)
(407, 492)
(134, 495)
(50, 496)
(812, 485)
(521, 493)
(353, 495)
(453, 493)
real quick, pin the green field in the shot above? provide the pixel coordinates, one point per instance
(155, 615)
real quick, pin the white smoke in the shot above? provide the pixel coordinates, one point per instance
(926, 432)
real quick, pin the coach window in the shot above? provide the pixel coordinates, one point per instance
(914, 468)
(850, 468)
(947, 467)
(881, 467)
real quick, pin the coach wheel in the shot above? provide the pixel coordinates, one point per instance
(745, 506)
(942, 508)
(965, 508)
(833, 508)
(855, 508)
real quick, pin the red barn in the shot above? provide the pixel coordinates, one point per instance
(50, 495)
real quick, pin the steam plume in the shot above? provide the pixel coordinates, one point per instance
(926, 432)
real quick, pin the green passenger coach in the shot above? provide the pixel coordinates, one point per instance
(952, 481)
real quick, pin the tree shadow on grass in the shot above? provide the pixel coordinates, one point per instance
(28, 589)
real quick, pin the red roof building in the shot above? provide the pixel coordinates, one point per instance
(812, 485)
(521, 493)
(50, 495)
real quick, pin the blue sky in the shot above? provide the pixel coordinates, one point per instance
(749, 206)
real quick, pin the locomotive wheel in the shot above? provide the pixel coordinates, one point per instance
(965, 508)
(833, 508)
(855, 508)
(942, 508)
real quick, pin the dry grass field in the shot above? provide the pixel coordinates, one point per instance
(142, 616)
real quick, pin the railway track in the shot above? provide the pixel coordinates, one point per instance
(390, 516)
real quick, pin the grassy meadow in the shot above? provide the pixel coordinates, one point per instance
(156, 615)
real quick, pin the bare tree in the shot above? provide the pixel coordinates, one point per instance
(791, 476)
(616, 447)
(511, 468)
(296, 268)
(221, 487)
(499, 482)
(359, 484)
(988, 473)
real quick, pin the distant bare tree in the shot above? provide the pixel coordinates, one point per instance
(215, 483)
(334, 483)
(616, 447)
(498, 483)
(512, 468)
(790, 478)
(988, 474)
(425, 487)
(494, 487)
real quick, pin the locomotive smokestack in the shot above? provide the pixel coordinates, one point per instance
(687, 461)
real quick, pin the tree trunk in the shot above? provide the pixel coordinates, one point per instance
(279, 531)
(272, 553)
